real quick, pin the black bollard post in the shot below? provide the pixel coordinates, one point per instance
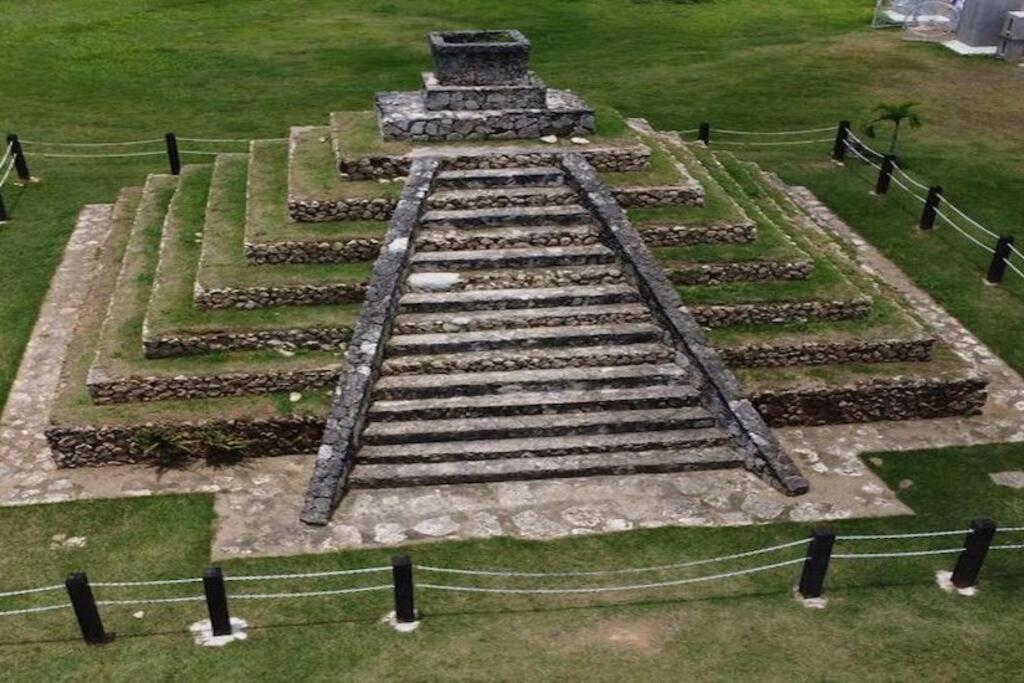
(217, 601)
(819, 552)
(931, 205)
(20, 163)
(401, 574)
(997, 268)
(968, 564)
(705, 133)
(4, 216)
(173, 158)
(86, 611)
(842, 137)
(884, 175)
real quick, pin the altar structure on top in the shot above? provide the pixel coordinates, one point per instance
(481, 88)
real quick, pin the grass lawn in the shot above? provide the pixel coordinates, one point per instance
(126, 69)
(886, 620)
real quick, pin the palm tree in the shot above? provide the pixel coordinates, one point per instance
(896, 114)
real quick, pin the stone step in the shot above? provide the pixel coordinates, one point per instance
(492, 300)
(535, 403)
(530, 359)
(480, 383)
(501, 197)
(538, 447)
(571, 214)
(508, 238)
(508, 278)
(530, 257)
(520, 426)
(526, 176)
(369, 476)
(518, 318)
(527, 338)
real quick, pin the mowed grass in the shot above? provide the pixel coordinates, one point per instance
(885, 620)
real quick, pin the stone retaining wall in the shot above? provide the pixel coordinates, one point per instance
(608, 159)
(330, 210)
(293, 295)
(507, 197)
(138, 388)
(580, 316)
(533, 277)
(685, 235)
(823, 353)
(88, 446)
(724, 315)
(458, 240)
(320, 251)
(170, 345)
(663, 195)
(873, 401)
(739, 271)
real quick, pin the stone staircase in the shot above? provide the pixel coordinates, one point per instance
(489, 379)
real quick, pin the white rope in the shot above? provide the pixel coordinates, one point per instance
(1014, 250)
(232, 139)
(33, 610)
(1007, 546)
(806, 131)
(29, 591)
(310, 594)
(911, 553)
(866, 146)
(1013, 267)
(967, 218)
(164, 582)
(196, 151)
(910, 178)
(609, 589)
(149, 601)
(7, 173)
(885, 537)
(91, 144)
(7, 153)
(771, 144)
(310, 575)
(608, 572)
(97, 156)
(863, 158)
(1010, 528)
(688, 131)
(907, 190)
(956, 227)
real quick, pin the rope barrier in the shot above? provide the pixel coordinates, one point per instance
(163, 582)
(886, 537)
(863, 158)
(92, 144)
(910, 553)
(1007, 546)
(33, 610)
(910, 178)
(29, 591)
(212, 154)
(772, 144)
(233, 139)
(311, 594)
(908, 190)
(1009, 528)
(97, 156)
(610, 589)
(7, 173)
(7, 153)
(806, 131)
(149, 601)
(610, 572)
(310, 575)
(960, 230)
(970, 220)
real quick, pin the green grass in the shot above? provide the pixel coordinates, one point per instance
(267, 204)
(314, 171)
(747, 626)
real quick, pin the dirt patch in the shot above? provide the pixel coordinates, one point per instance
(639, 635)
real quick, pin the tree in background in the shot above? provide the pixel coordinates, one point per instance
(897, 115)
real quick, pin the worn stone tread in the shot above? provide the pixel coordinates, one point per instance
(461, 321)
(518, 469)
(475, 383)
(528, 257)
(515, 426)
(544, 446)
(530, 358)
(531, 337)
(535, 403)
(487, 300)
(511, 215)
(553, 192)
(528, 234)
(526, 176)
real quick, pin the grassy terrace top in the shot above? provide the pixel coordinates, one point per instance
(355, 134)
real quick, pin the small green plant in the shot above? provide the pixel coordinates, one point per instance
(896, 115)
(220, 448)
(164, 449)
